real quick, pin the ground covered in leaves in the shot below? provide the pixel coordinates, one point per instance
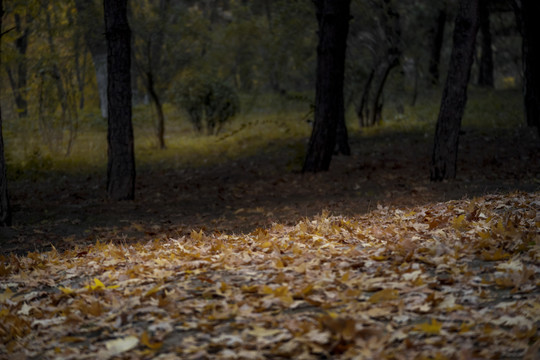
(450, 280)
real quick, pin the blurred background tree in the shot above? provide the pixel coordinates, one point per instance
(263, 51)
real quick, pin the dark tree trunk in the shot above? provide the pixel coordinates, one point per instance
(121, 158)
(454, 97)
(485, 75)
(333, 18)
(530, 14)
(436, 46)
(5, 211)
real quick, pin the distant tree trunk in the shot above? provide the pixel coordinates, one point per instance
(485, 75)
(362, 111)
(530, 17)
(18, 76)
(5, 210)
(121, 158)
(159, 109)
(333, 18)
(90, 18)
(454, 97)
(376, 114)
(436, 45)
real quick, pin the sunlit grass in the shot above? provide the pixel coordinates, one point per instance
(265, 123)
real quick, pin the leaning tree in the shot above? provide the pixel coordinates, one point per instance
(454, 98)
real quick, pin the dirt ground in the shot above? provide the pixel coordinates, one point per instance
(391, 169)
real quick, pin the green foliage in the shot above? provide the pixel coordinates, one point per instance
(204, 99)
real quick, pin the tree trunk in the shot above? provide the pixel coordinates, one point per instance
(333, 18)
(376, 113)
(362, 111)
(5, 210)
(121, 158)
(18, 76)
(90, 19)
(454, 96)
(160, 130)
(436, 46)
(530, 12)
(485, 75)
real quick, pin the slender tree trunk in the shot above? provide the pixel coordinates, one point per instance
(333, 18)
(159, 109)
(121, 158)
(485, 75)
(5, 210)
(377, 105)
(90, 18)
(530, 14)
(18, 76)
(436, 45)
(362, 111)
(454, 97)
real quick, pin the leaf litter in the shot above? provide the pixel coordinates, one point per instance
(453, 280)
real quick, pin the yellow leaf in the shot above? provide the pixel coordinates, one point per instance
(266, 244)
(267, 290)
(66, 290)
(153, 290)
(433, 327)
(97, 285)
(465, 328)
(145, 340)
(459, 222)
(496, 255)
(384, 295)
(6, 295)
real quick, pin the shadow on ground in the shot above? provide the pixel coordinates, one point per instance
(391, 169)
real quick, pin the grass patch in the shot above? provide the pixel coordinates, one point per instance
(265, 121)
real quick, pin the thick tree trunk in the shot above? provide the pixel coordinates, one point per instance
(5, 210)
(121, 158)
(530, 14)
(485, 74)
(333, 18)
(90, 18)
(436, 46)
(454, 97)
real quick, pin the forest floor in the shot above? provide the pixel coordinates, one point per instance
(252, 260)
(389, 169)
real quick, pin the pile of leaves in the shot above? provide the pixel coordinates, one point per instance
(454, 280)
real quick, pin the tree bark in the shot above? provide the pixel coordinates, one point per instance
(436, 46)
(5, 210)
(333, 18)
(121, 158)
(530, 13)
(454, 97)
(485, 74)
